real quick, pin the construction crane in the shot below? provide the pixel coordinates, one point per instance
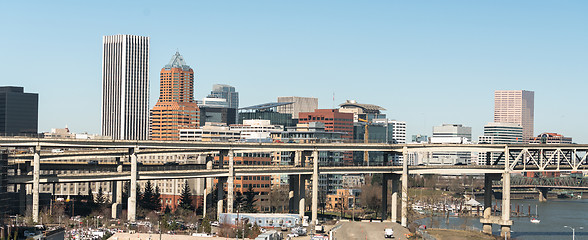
(366, 137)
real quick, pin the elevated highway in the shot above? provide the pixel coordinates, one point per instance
(174, 173)
(512, 158)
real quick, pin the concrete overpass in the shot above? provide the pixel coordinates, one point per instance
(515, 158)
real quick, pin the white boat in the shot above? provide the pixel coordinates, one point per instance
(535, 220)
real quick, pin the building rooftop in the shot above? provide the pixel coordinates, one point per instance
(265, 106)
(177, 61)
(12, 89)
(364, 106)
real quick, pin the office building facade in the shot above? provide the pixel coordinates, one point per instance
(176, 108)
(125, 87)
(448, 134)
(334, 121)
(515, 106)
(226, 92)
(19, 112)
(502, 133)
(299, 104)
(498, 133)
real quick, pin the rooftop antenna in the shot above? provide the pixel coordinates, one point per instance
(333, 107)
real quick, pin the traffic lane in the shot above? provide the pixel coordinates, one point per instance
(365, 230)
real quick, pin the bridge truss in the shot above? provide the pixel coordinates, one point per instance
(546, 158)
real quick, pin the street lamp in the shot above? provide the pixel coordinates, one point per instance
(573, 231)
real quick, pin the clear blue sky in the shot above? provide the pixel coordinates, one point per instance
(426, 62)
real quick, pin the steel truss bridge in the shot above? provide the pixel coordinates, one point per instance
(513, 158)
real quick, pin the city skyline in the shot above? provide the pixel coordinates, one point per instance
(442, 67)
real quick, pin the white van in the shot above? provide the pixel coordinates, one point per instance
(389, 233)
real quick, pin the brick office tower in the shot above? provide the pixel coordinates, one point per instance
(176, 108)
(334, 121)
(516, 106)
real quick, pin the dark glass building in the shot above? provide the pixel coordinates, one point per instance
(19, 111)
(267, 111)
(217, 114)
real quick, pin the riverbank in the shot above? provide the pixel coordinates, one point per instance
(449, 234)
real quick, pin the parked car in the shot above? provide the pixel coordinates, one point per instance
(388, 233)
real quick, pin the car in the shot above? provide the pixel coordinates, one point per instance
(388, 233)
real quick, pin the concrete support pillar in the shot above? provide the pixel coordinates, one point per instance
(112, 191)
(294, 194)
(384, 207)
(207, 188)
(220, 191)
(119, 184)
(230, 183)
(505, 221)
(22, 196)
(505, 231)
(132, 201)
(404, 218)
(394, 204)
(36, 177)
(297, 158)
(487, 225)
(542, 194)
(117, 189)
(205, 202)
(315, 180)
(302, 194)
(219, 207)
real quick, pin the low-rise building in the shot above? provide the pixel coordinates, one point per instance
(342, 200)
(550, 138)
(211, 132)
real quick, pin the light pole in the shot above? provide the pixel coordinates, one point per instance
(573, 231)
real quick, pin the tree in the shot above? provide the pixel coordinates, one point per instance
(157, 199)
(186, 197)
(279, 199)
(139, 195)
(147, 201)
(249, 204)
(206, 225)
(371, 197)
(100, 199)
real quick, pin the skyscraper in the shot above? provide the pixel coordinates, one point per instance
(125, 87)
(515, 106)
(227, 92)
(19, 111)
(176, 108)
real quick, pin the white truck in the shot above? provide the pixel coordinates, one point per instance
(389, 233)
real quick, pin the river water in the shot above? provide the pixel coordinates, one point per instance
(554, 215)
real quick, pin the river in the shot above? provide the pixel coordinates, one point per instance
(554, 215)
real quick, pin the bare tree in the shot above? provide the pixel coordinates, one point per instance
(371, 197)
(279, 199)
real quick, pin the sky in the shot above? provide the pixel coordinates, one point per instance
(426, 62)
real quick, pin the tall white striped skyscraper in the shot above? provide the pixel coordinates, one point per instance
(125, 87)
